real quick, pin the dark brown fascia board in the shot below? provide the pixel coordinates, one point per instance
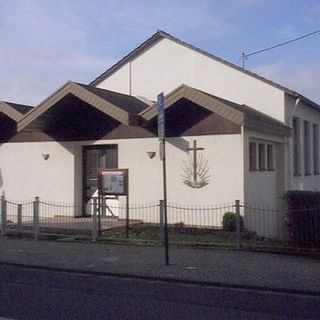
(159, 35)
(199, 98)
(222, 108)
(81, 93)
(10, 112)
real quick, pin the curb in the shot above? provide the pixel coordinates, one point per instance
(164, 279)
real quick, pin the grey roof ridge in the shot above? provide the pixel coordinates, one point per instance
(160, 34)
(11, 112)
(133, 98)
(44, 100)
(243, 108)
(57, 91)
(19, 104)
(106, 90)
(154, 104)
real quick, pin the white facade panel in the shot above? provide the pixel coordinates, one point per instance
(166, 65)
(145, 174)
(25, 173)
(303, 181)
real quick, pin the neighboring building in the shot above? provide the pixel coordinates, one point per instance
(254, 139)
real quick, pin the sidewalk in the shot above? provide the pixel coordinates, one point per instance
(238, 269)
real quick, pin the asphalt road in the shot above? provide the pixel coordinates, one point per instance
(27, 293)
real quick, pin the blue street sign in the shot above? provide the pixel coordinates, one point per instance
(161, 117)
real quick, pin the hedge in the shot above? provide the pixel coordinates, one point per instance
(303, 218)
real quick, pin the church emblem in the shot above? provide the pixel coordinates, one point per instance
(195, 169)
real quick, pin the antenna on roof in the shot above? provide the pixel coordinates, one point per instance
(246, 56)
(243, 57)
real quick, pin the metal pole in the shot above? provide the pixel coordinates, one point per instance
(237, 204)
(19, 218)
(36, 218)
(161, 229)
(166, 239)
(3, 215)
(94, 220)
(127, 217)
(99, 212)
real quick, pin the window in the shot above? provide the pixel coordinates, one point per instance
(270, 160)
(296, 147)
(95, 158)
(262, 156)
(306, 147)
(252, 156)
(315, 149)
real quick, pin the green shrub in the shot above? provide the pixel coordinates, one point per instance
(303, 218)
(229, 222)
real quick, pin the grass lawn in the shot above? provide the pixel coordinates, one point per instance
(144, 232)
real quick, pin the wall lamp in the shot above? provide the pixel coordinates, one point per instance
(45, 156)
(151, 154)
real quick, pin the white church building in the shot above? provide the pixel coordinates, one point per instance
(252, 139)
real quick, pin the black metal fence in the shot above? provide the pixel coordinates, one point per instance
(233, 224)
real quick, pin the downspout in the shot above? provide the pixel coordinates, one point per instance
(130, 78)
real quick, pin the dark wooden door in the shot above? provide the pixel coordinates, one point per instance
(95, 158)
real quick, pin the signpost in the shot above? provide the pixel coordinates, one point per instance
(161, 117)
(162, 151)
(115, 182)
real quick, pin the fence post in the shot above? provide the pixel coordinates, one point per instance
(3, 215)
(36, 226)
(104, 206)
(99, 212)
(19, 218)
(161, 229)
(238, 231)
(127, 217)
(95, 221)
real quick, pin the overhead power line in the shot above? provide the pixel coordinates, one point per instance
(245, 56)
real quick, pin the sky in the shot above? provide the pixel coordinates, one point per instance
(44, 43)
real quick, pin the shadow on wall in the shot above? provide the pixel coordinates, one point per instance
(1, 180)
(179, 143)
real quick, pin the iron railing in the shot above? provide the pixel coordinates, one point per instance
(230, 224)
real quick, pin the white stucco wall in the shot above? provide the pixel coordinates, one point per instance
(264, 189)
(304, 113)
(224, 156)
(25, 174)
(166, 65)
(145, 174)
(260, 186)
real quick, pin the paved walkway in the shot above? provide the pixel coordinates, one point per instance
(227, 268)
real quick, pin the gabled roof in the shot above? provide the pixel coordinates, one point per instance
(118, 106)
(123, 101)
(13, 110)
(240, 114)
(159, 35)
